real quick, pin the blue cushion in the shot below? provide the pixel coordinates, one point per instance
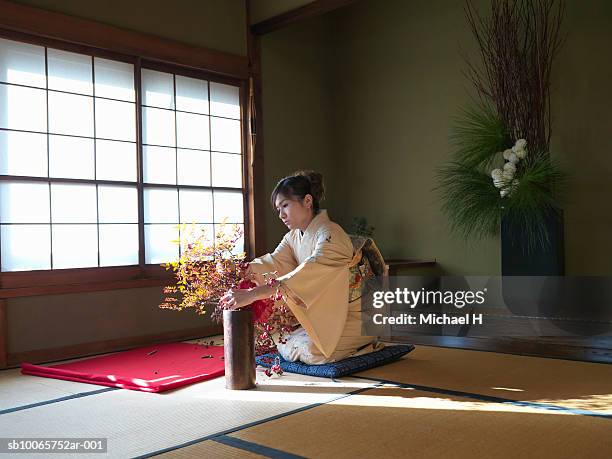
(342, 367)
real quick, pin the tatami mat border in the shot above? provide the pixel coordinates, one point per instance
(255, 448)
(488, 398)
(57, 400)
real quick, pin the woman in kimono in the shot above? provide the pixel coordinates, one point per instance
(312, 265)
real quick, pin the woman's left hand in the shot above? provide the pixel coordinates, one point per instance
(236, 299)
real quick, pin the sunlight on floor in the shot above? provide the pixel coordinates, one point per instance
(437, 403)
(508, 389)
(599, 403)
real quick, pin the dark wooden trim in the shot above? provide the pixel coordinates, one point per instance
(3, 334)
(35, 39)
(256, 176)
(395, 264)
(53, 282)
(85, 32)
(537, 347)
(100, 347)
(139, 162)
(81, 287)
(201, 74)
(312, 9)
(246, 172)
(20, 279)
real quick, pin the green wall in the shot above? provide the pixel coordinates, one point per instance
(379, 83)
(298, 110)
(392, 84)
(582, 135)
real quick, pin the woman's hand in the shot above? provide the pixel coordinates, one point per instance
(236, 299)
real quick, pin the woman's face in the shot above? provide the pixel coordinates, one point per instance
(294, 213)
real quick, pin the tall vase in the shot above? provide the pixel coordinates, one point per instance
(239, 344)
(541, 261)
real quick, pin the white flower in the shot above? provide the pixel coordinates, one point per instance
(507, 154)
(503, 192)
(520, 144)
(513, 158)
(496, 174)
(499, 183)
(510, 167)
(521, 154)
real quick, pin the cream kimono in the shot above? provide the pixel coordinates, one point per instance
(313, 270)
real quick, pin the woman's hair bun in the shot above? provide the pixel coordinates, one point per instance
(317, 187)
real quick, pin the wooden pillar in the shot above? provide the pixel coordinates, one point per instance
(3, 334)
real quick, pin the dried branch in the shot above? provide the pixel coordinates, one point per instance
(517, 45)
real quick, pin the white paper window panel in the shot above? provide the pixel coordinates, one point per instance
(196, 206)
(117, 204)
(161, 205)
(158, 127)
(193, 167)
(160, 245)
(157, 89)
(26, 247)
(159, 165)
(191, 95)
(22, 63)
(239, 248)
(192, 232)
(70, 72)
(71, 114)
(226, 170)
(118, 245)
(228, 206)
(24, 202)
(71, 157)
(225, 135)
(116, 161)
(114, 80)
(71, 203)
(23, 153)
(224, 100)
(23, 108)
(193, 131)
(115, 120)
(74, 246)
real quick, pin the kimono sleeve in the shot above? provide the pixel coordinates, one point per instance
(316, 291)
(282, 260)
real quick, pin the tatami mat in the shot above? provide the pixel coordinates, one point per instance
(572, 384)
(459, 405)
(139, 423)
(17, 390)
(392, 422)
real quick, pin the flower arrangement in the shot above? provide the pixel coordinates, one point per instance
(207, 268)
(501, 168)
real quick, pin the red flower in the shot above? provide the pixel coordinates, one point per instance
(262, 309)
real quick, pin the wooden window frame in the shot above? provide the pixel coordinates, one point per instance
(44, 28)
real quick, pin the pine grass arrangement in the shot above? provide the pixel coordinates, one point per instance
(500, 168)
